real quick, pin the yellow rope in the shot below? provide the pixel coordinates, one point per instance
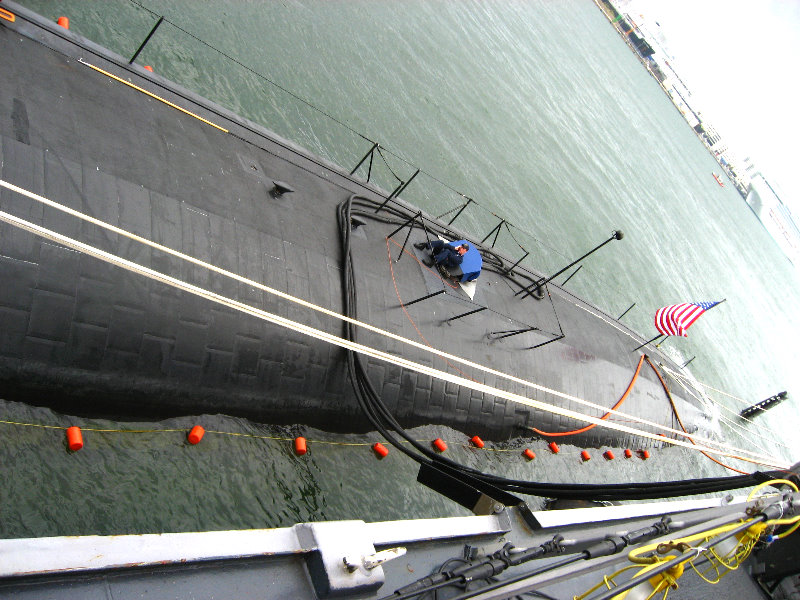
(159, 98)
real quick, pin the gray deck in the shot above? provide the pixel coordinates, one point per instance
(87, 338)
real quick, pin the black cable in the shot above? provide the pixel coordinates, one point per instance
(385, 423)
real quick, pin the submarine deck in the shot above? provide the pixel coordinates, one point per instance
(85, 337)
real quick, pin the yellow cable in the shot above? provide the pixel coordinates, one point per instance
(144, 91)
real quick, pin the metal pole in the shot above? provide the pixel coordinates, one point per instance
(511, 332)
(469, 200)
(408, 235)
(371, 150)
(572, 275)
(497, 229)
(649, 341)
(405, 185)
(466, 314)
(687, 362)
(511, 268)
(413, 217)
(617, 235)
(147, 39)
(626, 312)
(555, 339)
(425, 297)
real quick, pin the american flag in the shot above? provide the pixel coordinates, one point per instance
(677, 318)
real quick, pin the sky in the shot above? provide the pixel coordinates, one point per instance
(740, 59)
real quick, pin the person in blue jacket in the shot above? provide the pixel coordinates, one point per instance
(446, 254)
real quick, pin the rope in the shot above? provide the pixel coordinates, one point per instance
(159, 98)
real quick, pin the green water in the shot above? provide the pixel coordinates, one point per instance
(539, 112)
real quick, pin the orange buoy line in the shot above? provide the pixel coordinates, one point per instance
(74, 435)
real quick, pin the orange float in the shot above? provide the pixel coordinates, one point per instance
(196, 434)
(585, 456)
(64, 22)
(529, 454)
(608, 455)
(439, 444)
(478, 442)
(554, 447)
(645, 454)
(300, 446)
(628, 453)
(380, 450)
(148, 68)
(74, 438)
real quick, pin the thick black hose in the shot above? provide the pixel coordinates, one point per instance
(385, 423)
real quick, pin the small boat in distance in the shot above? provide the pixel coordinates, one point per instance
(719, 180)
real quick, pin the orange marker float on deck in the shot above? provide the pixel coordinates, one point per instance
(64, 22)
(529, 454)
(628, 453)
(439, 444)
(196, 434)
(74, 438)
(608, 455)
(300, 446)
(380, 450)
(478, 442)
(554, 447)
(585, 456)
(645, 454)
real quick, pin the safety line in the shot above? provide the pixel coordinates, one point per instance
(330, 313)
(247, 435)
(159, 98)
(343, 343)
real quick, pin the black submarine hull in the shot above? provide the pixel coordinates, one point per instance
(87, 338)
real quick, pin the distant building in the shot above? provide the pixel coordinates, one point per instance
(775, 216)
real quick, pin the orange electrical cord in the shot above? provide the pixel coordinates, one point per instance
(605, 416)
(677, 416)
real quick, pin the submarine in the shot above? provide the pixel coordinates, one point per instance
(162, 256)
